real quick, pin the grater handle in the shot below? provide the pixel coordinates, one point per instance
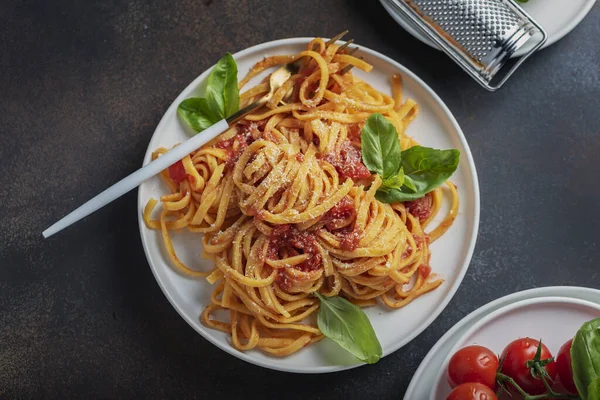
(405, 10)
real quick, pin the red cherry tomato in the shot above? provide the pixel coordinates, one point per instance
(473, 364)
(515, 357)
(565, 367)
(472, 391)
(177, 172)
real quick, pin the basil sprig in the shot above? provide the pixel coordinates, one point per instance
(406, 175)
(381, 152)
(222, 97)
(585, 356)
(348, 325)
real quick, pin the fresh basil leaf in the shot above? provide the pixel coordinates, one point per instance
(222, 89)
(231, 94)
(196, 113)
(428, 168)
(381, 152)
(347, 325)
(585, 356)
(389, 196)
(406, 175)
(409, 184)
(424, 170)
(395, 182)
(222, 97)
(594, 390)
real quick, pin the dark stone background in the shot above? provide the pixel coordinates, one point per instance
(83, 85)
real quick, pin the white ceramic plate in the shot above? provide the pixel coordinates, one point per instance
(435, 126)
(526, 313)
(535, 318)
(557, 17)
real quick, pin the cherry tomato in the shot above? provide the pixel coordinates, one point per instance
(472, 391)
(565, 368)
(177, 172)
(515, 357)
(473, 364)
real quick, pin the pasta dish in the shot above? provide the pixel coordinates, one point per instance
(285, 206)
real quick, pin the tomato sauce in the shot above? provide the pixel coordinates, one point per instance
(421, 241)
(223, 144)
(354, 133)
(177, 172)
(350, 239)
(237, 144)
(424, 270)
(342, 211)
(348, 163)
(295, 242)
(283, 281)
(407, 252)
(307, 72)
(348, 236)
(420, 208)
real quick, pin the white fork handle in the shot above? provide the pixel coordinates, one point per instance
(135, 179)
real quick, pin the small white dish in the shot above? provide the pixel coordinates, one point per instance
(434, 126)
(421, 383)
(535, 318)
(532, 313)
(557, 17)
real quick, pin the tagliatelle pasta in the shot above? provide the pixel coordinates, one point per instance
(285, 207)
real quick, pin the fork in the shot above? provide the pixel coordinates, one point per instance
(283, 73)
(277, 78)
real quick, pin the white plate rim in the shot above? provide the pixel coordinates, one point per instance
(452, 289)
(565, 30)
(575, 292)
(514, 306)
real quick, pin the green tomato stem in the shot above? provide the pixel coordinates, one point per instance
(502, 378)
(553, 395)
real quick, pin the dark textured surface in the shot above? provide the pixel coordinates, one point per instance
(83, 85)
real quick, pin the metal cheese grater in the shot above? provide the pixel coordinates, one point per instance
(479, 35)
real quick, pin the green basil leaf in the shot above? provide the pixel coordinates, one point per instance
(231, 93)
(424, 170)
(406, 175)
(222, 89)
(585, 355)
(347, 325)
(381, 152)
(429, 168)
(396, 182)
(594, 390)
(390, 196)
(222, 97)
(196, 113)
(409, 184)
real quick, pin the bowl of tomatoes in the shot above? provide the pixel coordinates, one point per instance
(542, 348)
